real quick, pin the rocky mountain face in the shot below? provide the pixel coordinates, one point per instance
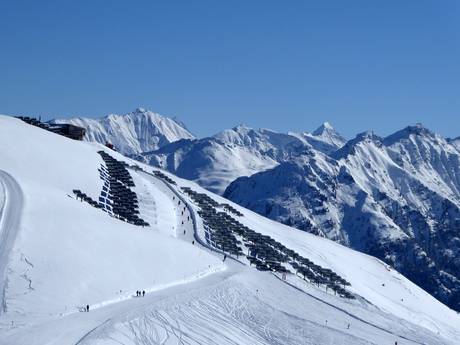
(397, 198)
(133, 133)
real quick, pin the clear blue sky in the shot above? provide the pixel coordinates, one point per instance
(284, 65)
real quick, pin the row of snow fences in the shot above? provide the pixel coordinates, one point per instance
(116, 196)
(116, 170)
(224, 232)
(159, 174)
(83, 197)
(232, 210)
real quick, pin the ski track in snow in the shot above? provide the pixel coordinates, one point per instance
(222, 312)
(350, 314)
(10, 214)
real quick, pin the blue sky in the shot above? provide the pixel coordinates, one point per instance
(284, 65)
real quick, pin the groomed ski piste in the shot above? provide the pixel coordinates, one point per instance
(59, 253)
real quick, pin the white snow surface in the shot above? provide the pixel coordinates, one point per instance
(67, 254)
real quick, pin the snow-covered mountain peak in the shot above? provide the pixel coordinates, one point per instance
(133, 133)
(367, 136)
(260, 139)
(140, 110)
(364, 138)
(242, 128)
(325, 138)
(325, 127)
(417, 130)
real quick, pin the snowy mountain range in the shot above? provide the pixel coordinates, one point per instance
(396, 197)
(72, 259)
(206, 161)
(213, 162)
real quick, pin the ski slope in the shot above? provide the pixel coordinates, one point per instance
(11, 201)
(67, 254)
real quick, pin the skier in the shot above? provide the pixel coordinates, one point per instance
(87, 308)
(143, 293)
(193, 242)
(348, 327)
(225, 256)
(184, 232)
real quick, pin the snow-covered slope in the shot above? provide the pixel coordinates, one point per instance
(67, 254)
(133, 133)
(396, 198)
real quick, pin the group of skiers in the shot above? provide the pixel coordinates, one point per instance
(139, 293)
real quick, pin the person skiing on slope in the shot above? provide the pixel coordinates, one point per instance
(143, 293)
(87, 308)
